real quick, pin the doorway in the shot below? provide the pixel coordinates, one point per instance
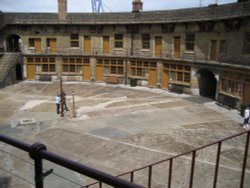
(13, 43)
(19, 72)
(207, 83)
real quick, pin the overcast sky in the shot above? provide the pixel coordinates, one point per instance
(113, 5)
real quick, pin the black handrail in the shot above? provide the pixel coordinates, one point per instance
(193, 159)
(38, 151)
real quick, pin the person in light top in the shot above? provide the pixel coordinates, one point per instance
(246, 117)
(58, 101)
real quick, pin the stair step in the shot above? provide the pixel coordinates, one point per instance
(6, 63)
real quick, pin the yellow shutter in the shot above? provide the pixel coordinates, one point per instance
(86, 71)
(158, 46)
(152, 78)
(87, 44)
(106, 45)
(99, 73)
(246, 96)
(38, 46)
(165, 79)
(53, 46)
(30, 72)
(177, 47)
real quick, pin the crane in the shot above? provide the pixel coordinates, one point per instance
(97, 6)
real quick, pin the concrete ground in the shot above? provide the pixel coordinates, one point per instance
(117, 129)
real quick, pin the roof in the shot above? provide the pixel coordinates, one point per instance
(215, 12)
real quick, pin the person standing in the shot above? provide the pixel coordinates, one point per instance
(64, 101)
(58, 100)
(246, 117)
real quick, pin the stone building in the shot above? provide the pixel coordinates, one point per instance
(203, 51)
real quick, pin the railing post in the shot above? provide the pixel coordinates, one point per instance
(244, 161)
(192, 169)
(149, 176)
(217, 164)
(34, 154)
(170, 173)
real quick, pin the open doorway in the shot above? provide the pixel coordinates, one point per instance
(207, 83)
(19, 72)
(13, 43)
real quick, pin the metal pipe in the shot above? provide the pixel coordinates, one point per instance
(244, 161)
(73, 105)
(62, 97)
(170, 172)
(149, 176)
(67, 163)
(217, 164)
(192, 169)
(38, 173)
(132, 177)
(16, 143)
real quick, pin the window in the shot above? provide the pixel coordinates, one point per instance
(31, 42)
(231, 83)
(50, 41)
(74, 40)
(223, 47)
(246, 49)
(73, 65)
(43, 64)
(112, 66)
(178, 72)
(190, 40)
(231, 87)
(141, 68)
(145, 41)
(118, 40)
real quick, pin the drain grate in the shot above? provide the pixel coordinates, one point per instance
(27, 121)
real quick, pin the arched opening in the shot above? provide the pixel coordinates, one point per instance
(207, 83)
(13, 43)
(19, 72)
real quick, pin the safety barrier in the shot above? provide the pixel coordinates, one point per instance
(149, 168)
(38, 152)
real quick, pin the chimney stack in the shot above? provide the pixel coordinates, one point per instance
(137, 5)
(62, 9)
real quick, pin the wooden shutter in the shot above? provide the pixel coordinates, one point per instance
(106, 47)
(177, 47)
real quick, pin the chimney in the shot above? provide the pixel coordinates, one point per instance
(62, 9)
(137, 5)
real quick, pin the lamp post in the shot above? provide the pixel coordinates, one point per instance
(62, 97)
(73, 104)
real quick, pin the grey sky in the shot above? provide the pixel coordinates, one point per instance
(114, 5)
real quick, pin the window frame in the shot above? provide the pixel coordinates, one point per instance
(73, 65)
(223, 46)
(43, 64)
(118, 40)
(140, 68)
(112, 66)
(190, 41)
(145, 41)
(74, 40)
(178, 73)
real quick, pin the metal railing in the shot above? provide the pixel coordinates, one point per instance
(149, 168)
(38, 152)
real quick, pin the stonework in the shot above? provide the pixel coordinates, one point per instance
(183, 43)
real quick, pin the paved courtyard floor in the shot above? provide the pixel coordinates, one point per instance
(117, 129)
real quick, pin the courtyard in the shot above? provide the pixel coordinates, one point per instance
(117, 128)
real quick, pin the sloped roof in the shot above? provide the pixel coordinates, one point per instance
(234, 10)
